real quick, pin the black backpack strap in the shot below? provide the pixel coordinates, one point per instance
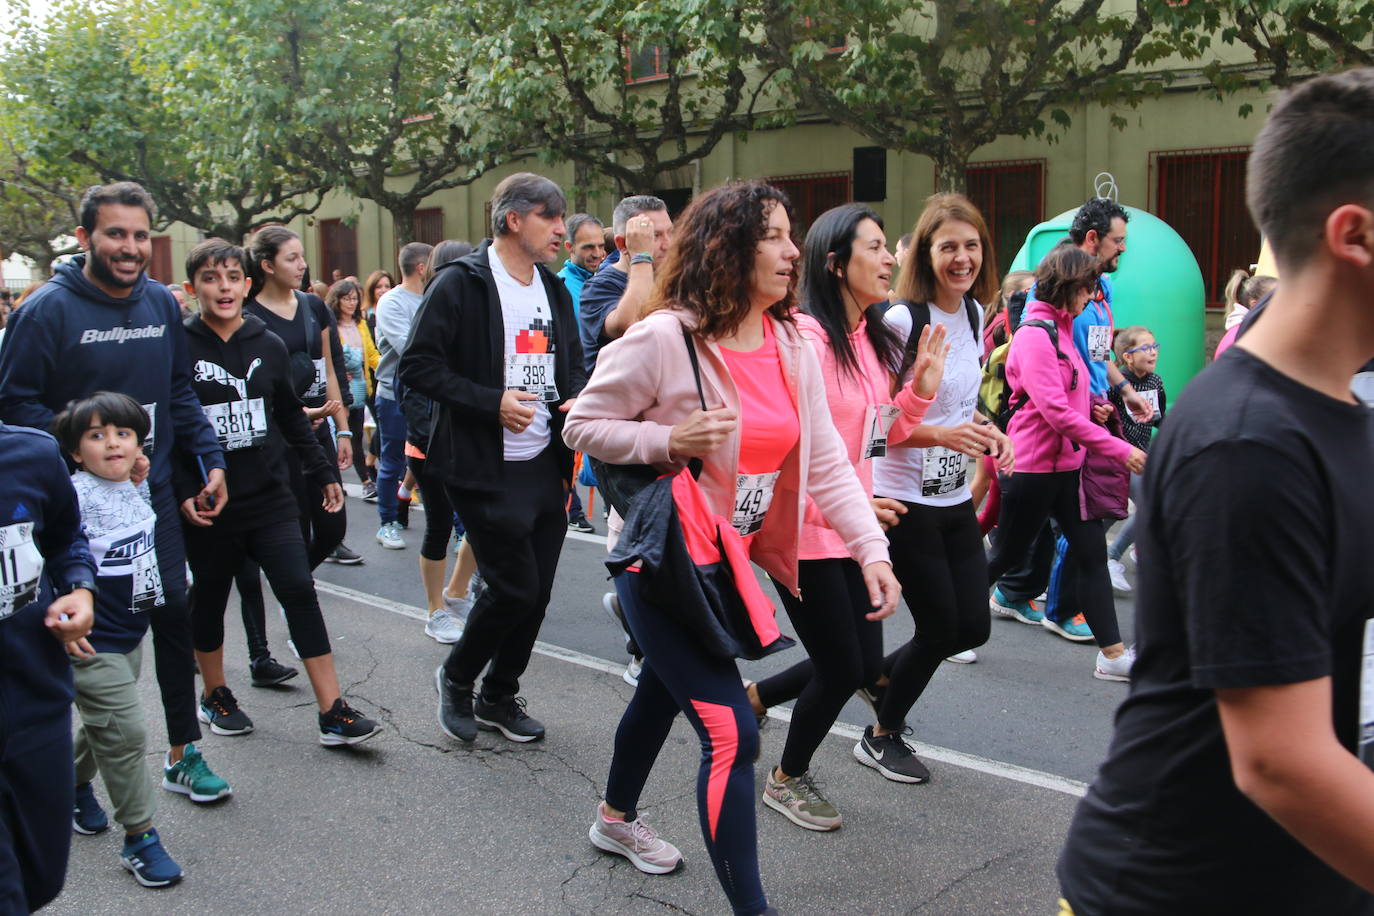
(694, 464)
(1049, 328)
(312, 332)
(920, 319)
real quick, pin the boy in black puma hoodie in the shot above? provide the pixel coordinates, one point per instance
(242, 375)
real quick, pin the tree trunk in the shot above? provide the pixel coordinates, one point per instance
(951, 170)
(403, 222)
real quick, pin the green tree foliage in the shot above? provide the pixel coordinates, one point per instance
(945, 77)
(361, 86)
(102, 86)
(38, 207)
(632, 91)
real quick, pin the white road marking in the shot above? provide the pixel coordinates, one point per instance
(1011, 771)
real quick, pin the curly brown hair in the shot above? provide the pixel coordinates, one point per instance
(710, 267)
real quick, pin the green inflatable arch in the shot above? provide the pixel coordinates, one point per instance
(1158, 284)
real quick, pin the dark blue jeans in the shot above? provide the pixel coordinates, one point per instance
(391, 464)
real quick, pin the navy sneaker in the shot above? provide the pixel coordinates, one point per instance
(507, 715)
(88, 818)
(345, 725)
(148, 862)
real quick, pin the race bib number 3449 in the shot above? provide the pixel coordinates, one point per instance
(21, 567)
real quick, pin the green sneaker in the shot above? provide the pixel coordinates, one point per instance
(192, 776)
(799, 800)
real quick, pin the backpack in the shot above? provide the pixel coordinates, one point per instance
(994, 393)
(920, 319)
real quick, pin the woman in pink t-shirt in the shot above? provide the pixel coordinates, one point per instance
(846, 272)
(766, 444)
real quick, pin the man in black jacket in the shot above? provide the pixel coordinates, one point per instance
(495, 345)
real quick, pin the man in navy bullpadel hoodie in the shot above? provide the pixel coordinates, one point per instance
(101, 325)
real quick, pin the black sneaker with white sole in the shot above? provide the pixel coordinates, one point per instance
(345, 725)
(343, 555)
(891, 756)
(268, 672)
(507, 715)
(455, 707)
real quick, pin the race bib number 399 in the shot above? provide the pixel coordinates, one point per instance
(21, 567)
(532, 372)
(943, 470)
(753, 496)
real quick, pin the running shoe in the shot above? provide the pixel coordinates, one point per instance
(1114, 669)
(582, 524)
(344, 556)
(1075, 630)
(632, 671)
(345, 725)
(455, 707)
(1020, 611)
(476, 584)
(636, 841)
(873, 696)
(890, 755)
(268, 672)
(458, 608)
(370, 491)
(148, 862)
(191, 776)
(389, 536)
(443, 627)
(507, 715)
(799, 799)
(1117, 571)
(221, 712)
(966, 657)
(88, 818)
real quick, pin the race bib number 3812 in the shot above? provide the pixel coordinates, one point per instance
(21, 567)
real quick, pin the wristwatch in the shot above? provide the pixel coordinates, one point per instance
(87, 584)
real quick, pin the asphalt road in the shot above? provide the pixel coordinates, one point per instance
(414, 823)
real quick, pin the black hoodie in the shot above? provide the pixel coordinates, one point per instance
(246, 389)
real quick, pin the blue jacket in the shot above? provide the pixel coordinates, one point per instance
(37, 509)
(573, 276)
(1097, 313)
(71, 340)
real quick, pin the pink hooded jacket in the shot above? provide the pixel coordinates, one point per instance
(1045, 429)
(643, 386)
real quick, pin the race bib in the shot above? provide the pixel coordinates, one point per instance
(878, 420)
(753, 496)
(131, 551)
(943, 470)
(21, 567)
(1367, 696)
(1151, 397)
(532, 372)
(238, 424)
(318, 387)
(151, 411)
(1099, 343)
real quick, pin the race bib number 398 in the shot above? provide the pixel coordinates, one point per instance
(21, 567)
(532, 372)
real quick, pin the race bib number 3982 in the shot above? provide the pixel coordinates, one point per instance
(21, 567)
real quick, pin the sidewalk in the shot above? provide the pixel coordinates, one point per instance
(412, 822)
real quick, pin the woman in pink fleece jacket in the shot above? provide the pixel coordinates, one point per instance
(846, 270)
(1050, 430)
(766, 443)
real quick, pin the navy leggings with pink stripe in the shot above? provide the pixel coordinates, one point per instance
(678, 677)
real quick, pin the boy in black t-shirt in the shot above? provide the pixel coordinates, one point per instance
(1235, 781)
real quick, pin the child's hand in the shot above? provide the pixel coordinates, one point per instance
(192, 515)
(70, 618)
(140, 469)
(1101, 412)
(80, 649)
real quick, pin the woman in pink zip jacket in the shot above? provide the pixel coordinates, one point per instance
(846, 272)
(1052, 430)
(766, 444)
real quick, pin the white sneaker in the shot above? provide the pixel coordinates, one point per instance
(632, 672)
(443, 627)
(389, 536)
(1117, 570)
(1114, 669)
(458, 608)
(967, 657)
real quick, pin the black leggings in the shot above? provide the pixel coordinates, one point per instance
(438, 511)
(679, 676)
(938, 556)
(845, 649)
(216, 556)
(355, 426)
(322, 531)
(1027, 501)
